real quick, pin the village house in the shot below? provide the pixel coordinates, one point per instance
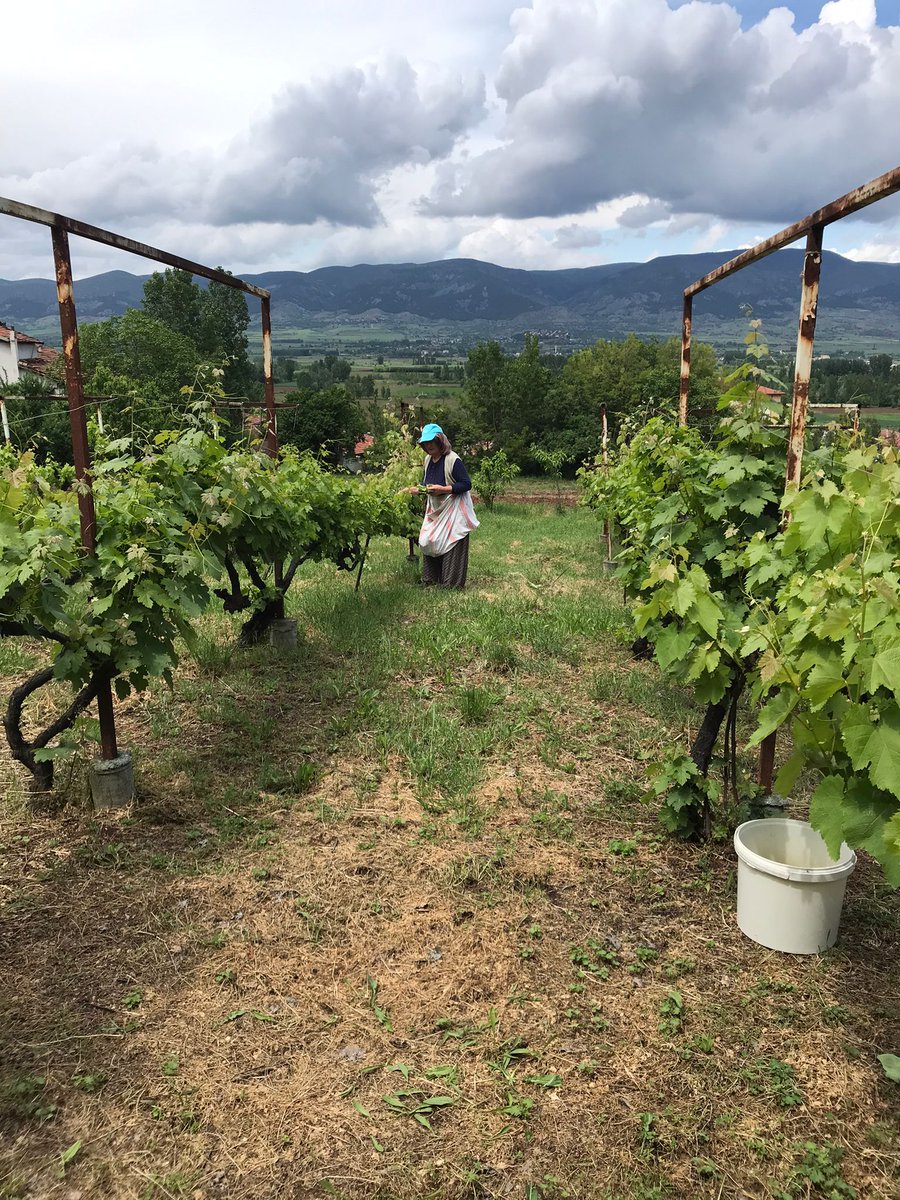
(9, 356)
(21, 352)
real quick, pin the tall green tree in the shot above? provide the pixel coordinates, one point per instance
(486, 399)
(173, 298)
(215, 319)
(144, 363)
(223, 334)
(329, 420)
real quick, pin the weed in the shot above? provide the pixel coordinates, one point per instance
(544, 1081)
(448, 1073)
(133, 999)
(774, 1078)
(678, 967)
(171, 1066)
(381, 1014)
(89, 1083)
(22, 1098)
(517, 1106)
(622, 846)
(589, 1067)
(671, 1013)
(702, 1044)
(583, 963)
(227, 975)
(648, 1133)
(68, 1156)
(408, 1104)
(644, 956)
(817, 1174)
(175, 1183)
(835, 1014)
(475, 704)
(316, 927)
(279, 780)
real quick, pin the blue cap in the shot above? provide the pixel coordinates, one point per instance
(429, 433)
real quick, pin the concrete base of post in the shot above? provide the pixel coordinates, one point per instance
(112, 782)
(283, 634)
(609, 566)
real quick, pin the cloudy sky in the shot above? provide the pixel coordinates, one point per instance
(555, 133)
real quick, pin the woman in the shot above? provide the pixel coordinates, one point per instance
(449, 514)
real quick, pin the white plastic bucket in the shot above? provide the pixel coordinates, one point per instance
(790, 889)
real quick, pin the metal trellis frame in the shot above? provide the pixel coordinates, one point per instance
(60, 228)
(813, 227)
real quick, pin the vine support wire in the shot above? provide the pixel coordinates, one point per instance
(813, 227)
(60, 229)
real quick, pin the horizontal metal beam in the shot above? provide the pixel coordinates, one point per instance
(861, 197)
(41, 216)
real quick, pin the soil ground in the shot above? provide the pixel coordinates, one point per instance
(391, 920)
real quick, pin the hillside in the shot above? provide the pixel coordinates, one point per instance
(467, 299)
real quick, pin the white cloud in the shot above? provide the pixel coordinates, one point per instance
(606, 97)
(321, 151)
(537, 133)
(647, 212)
(849, 12)
(577, 237)
(874, 252)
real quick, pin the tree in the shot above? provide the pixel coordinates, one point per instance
(144, 362)
(329, 419)
(214, 320)
(492, 477)
(38, 417)
(173, 298)
(485, 401)
(880, 365)
(551, 463)
(223, 334)
(323, 372)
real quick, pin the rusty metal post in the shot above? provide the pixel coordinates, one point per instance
(607, 531)
(685, 360)
(81, 454)
(270, 445)
(809, 299)
(806, 332)
(74, 386)
(270, 442)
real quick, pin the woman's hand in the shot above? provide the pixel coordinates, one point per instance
(439, 489)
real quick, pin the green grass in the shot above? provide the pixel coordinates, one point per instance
(429, 815)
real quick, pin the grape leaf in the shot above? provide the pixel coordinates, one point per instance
(826, 813)
(876, 749)
(886, 670)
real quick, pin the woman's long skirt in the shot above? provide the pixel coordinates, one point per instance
(450, 569)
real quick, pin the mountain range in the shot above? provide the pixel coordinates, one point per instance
(859, 301)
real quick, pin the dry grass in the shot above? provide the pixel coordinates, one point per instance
(220, 990)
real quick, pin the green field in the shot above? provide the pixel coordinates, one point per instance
(390, 921)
